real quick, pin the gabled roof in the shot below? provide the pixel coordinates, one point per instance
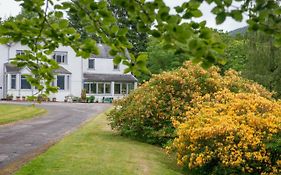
(109, 77)
(61, 70)
(103, 51)
(11, 68)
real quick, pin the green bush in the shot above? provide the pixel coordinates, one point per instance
(147, 113)
(91, 99)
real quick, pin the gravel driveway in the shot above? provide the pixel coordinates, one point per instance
(22, 141)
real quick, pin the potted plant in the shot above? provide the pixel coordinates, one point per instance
(91, 99)
(18, 98)
(23, 98)
(10, 97)
(83, 96)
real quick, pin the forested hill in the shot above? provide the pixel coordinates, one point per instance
(241, 30)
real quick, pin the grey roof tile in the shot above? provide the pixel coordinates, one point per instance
(61, 70)
(11, 68)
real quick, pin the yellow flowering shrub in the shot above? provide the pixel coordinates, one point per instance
(147, 113)
(230, 133)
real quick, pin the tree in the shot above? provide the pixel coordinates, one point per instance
(137, 39)
(263, 62)
(161, 59)
(177, 31)
(235, 53)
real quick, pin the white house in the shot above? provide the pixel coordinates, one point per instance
(98, 75)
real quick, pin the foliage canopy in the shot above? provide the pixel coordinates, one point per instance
(46, 30)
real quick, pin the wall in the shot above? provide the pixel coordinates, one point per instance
(103, 66)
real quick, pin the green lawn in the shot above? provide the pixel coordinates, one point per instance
(12, 113)
(96, 150)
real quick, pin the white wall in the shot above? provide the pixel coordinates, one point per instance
(102, 66)
(76, 65)
(73, 65)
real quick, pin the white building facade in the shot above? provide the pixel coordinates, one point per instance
(97, 75)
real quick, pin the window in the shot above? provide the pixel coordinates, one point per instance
(68, 82)
(61, 82)
(116, 67)
(60, 57)
(87, 87)
(93, 88)
(130, 87)
(24, 83)
(107, 88)
(117, 88)
(19, 52)
(124, 88)
(13, 81)
(91, 64)
(100, 88)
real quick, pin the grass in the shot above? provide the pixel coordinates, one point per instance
(13, 113)
(96, 150)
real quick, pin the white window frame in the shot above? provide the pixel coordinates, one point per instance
(20, 52)
(94, 66)
(121, 87)
(97, 86)
(11, 80)
(67, 82)
(107, 83)
(23, 77)
(116, 67)
(64, 57)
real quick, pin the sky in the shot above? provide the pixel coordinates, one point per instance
(10, 7)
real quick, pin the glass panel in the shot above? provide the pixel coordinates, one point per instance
(87, 87)
(24, 83)
(68, 82)
(107, 88)
(93, 88)
(19, 52)
(13, 81)
(60, 82)
(65, 57)
(116, 66)
(91, 64)
(58, 57)
(100, 88)
(130, 87)
(117, 88)
(124, 88)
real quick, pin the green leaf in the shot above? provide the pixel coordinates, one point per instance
(156, 33)
(205, 33)
(194, 4)
(179, 9)
(58, 14)
(237, 15)
(4, 40)
(228, 2)
(117, 59)
(220, 18)
(196, 13)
